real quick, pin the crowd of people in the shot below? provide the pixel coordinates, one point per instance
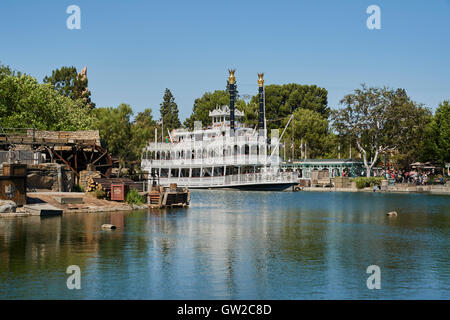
(412, 176)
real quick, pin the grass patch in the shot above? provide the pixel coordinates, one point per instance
(133, 197)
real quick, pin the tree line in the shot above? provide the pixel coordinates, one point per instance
(376, 123)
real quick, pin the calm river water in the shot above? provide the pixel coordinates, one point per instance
(237, 245)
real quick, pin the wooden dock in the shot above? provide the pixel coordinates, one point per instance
(42, 209)
(161, 197)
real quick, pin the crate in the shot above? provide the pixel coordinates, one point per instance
(119, 191)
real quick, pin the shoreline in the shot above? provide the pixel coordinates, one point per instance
(92, 205)
(89, 204)
(431, 190)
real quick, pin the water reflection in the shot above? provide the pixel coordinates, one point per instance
(236, 245)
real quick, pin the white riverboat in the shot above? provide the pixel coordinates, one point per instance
(225, 155)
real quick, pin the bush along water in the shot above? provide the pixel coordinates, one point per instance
(133, 197)
(364, 182)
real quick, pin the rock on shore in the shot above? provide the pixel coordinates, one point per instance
(7, 206)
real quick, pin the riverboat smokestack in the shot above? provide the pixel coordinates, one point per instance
(261, 101)
(232, 91)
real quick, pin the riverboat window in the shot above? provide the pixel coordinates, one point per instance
(218, 171)
(207, 172)
(232, 170)
(184, 172)
(174, 172)
(196, 172)
(164, 173)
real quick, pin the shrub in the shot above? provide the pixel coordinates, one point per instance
(100, 194)
(364, 182)
(78, 188)
(133, 197)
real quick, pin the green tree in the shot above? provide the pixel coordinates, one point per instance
(71, 84)
(415, 145)
(311, 129)
(142, 131)
(7, 71)
(283, 100)
(379, 120)
(25, 103)
(169, 112)
(442, 120)
(115, 129)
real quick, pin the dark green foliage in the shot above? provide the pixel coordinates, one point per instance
(364, 182)
(313, 129)
(70, 83)
(142, 131)
(25, 103)
(99, 194)
(283, 100)
(442, 120)
(381, 121)
(122, 136)
(133, 197)
(169, 112)
(115, 126)
(78, 188)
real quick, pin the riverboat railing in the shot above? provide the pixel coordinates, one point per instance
(235, 179)
(219, 161)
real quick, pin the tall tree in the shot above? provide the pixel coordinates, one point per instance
(115, 129)
(378, 119)
(169, 112)
(311, 129)
(442, 119)
(283, 100)
(72, 84)
(143, 131)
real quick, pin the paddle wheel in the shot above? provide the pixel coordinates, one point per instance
(83, 156)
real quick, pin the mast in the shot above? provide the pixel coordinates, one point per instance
(232, 91)
(261, 125)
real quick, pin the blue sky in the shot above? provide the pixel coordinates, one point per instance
(135, 49)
